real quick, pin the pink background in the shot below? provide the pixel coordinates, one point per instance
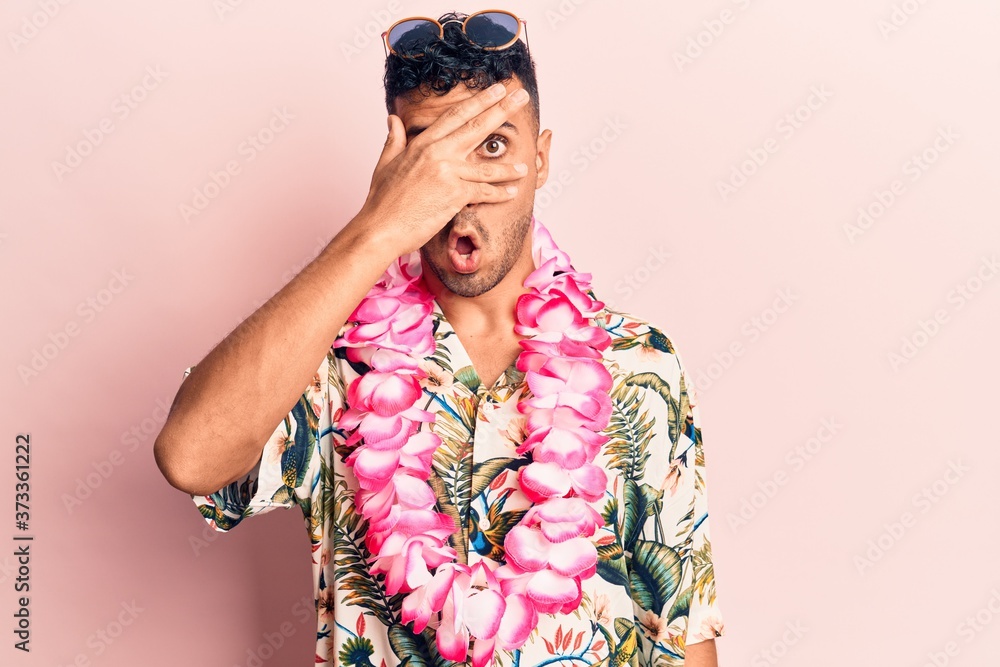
(894, 77)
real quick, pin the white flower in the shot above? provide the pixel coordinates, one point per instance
(654, 626)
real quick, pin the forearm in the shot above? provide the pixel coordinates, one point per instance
(701, 654)
(235, 397)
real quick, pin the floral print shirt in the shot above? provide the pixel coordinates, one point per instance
(654, 591)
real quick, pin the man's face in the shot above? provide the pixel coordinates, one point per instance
(498, 231)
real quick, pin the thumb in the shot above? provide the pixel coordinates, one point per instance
(394, 141)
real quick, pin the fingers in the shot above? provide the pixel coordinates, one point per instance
(458, 115)
(490, 172)
(467, 137)
(395, 141)
(480, 193)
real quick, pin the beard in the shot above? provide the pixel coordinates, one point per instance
(505, 248)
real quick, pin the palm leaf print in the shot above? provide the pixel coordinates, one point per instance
(416, 650)
(640, 504)
(352, 561)
(468, 376)
(655, 575)
(336, 381)
(630, 431)
(442, 355)
(318, 512)
(233, 498)
(699, 459)
(452, 466)
(611, 564)
(485, 472)
(703, 570)
(409, 648)
(681, 605)
(677, 408)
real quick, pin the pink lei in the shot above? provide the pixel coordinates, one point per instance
(549, 552)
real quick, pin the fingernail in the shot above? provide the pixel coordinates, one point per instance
(521, 168)
(512, 189)
(520, 95)
(497, 90)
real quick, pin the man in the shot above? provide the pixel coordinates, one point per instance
(492, 466)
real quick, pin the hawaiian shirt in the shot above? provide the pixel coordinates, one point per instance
(654, 591)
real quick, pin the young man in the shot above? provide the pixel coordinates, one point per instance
(492, 465)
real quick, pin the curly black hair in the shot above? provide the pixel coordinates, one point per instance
(453, 59)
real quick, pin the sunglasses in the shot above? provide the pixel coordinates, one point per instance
(492, 29)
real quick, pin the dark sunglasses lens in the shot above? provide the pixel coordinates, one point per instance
(491, 28)
(413, 35)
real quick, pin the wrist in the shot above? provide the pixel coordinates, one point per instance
(369, 234)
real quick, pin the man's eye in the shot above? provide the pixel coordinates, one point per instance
(493, 147)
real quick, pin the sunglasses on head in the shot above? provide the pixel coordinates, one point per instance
(492, 29)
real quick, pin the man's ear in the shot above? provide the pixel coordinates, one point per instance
(542, 158)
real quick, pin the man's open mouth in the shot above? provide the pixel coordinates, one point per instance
(463, 249)
(463, 244)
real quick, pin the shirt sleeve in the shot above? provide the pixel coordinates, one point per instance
(285, 472)
(704, 615)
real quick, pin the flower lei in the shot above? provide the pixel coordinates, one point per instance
(548, 552)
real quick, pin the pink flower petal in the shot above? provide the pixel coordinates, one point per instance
(482, 652)
(527, 307)
(413, 492)
(373, 467)
(452, 642)
(417, 572)
(543, 385)
(395, 573)
(589, 375)
(483, 611)
(561, 519)
(513, 580)
(527, 548)
(376, 505)
(558, 314)
(572, 557)
(540, 481)
(375, 310)
(389, 361)
(388, 394)
(390, 430)
(590, 482)
(426, 522)
(563, 448)
(549, 592)
(519, 619)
